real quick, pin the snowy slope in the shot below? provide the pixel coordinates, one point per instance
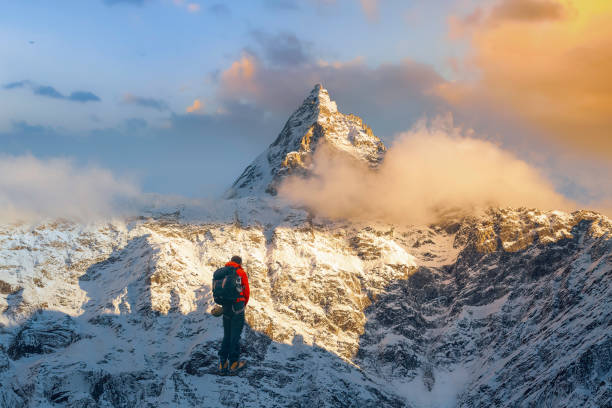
(510, 309)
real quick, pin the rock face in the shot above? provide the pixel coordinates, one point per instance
(314, 124)
(511, 308)
(43, 335)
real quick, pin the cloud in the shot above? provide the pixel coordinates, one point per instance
(528, 10)
(193, 7)
(239, 78)
(51, 92)
(48, 91)
(190, 7)
(507, 11)
(169, 157)
(135, 124)
(18, 84)
(428, 173)
(22, 127)
(370, 9)
(218, 143)
(151, 103)
(283, 49)
(33, 189)
(390, 96)
(83, 96)
(548, 64)
(196, 106)
(235, 122)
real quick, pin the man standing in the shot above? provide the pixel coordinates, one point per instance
(233, 314)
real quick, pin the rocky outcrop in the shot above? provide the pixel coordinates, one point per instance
(43, 334)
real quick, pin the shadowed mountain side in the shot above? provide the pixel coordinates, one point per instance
(523, 328)
(94, 370)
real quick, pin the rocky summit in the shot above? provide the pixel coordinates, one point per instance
(508, 308)
(316, 123)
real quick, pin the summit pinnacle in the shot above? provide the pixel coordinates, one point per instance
(316, 122)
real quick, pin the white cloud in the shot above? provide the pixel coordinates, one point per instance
(32, 189)
(429, 172)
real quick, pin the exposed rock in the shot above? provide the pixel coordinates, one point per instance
(43, 335)
(4, 360)
(8, 289)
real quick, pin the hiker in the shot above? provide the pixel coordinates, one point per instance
(231, 290)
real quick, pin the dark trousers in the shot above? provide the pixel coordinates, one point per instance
(233, 322)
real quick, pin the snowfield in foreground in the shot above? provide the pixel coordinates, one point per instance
(511, 308)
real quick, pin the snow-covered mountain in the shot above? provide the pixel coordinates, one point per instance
(510, 308)
(314, 124)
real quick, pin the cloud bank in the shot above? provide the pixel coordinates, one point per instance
(428, 173)
(33, 189)
(546, 61)
(391, 96)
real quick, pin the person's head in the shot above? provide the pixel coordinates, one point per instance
(236, 259)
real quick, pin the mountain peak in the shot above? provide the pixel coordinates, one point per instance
(319, 96)
(316, 122)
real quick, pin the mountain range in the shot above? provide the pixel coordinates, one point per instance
(506, 308)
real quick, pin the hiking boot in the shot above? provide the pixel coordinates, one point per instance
(223, 366)
(236, 366)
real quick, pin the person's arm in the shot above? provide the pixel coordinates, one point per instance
(245, 285)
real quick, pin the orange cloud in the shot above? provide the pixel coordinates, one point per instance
(528, 10)
(196, 106)
(239, 78)
(370, 9)
(547, 61)
(193, 7)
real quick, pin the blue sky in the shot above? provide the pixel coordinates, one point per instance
(162, 53)
(108, 82)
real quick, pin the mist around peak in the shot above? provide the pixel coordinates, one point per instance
(430, 171)
(32, 189)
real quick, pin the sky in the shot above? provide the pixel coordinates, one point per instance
(177, 97)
